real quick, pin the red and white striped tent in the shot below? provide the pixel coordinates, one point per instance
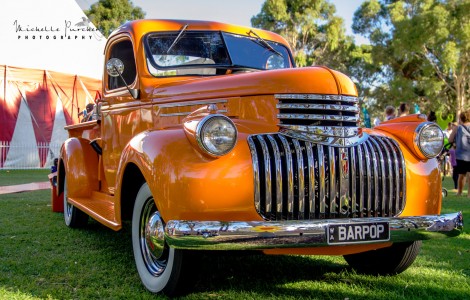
(51, 62)
(35, 105)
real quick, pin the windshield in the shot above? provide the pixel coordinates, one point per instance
(211, 53)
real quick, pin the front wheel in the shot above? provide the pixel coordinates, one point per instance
(159, 265)
(386, 261)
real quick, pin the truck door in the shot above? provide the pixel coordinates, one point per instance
(121, 112)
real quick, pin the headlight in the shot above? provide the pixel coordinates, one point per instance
(429, 139)
(216, 135)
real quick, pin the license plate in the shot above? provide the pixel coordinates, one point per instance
(339, 234)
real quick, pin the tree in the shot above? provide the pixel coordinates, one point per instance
(423, 47)
(314, 33)
(318, 37)
(108, 15)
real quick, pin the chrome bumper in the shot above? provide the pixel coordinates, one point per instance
(217, 235)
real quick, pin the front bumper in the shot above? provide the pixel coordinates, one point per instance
(219, 235)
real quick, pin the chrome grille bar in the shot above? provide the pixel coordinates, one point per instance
(278, 168)
(314, 106)
(325, 119)
(294, 179)
(317, 117)
(267, 175)
(322, 180)
(316, 97)
(301, 180)
(354, 209)
(290, 177)
(332, 179)
(311, 179)
(381, 176)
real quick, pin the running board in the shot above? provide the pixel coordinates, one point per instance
(100, 207)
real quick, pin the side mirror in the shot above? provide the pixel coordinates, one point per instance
(114, 67)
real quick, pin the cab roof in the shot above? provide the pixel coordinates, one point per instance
(140, 28)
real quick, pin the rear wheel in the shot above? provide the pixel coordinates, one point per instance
(386, 261)
(159, 266)
(73, 217)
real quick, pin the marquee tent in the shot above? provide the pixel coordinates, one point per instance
(51, 61)
(35, 107)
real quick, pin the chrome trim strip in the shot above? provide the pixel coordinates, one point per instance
(352, 167)
(187, 113)
(333, 107)
(399, 164)
(317, 117)
(188, 103)
(344, 167)
(301, 179)
(385, 197)
(316, 97)
(382, 172)
(403, 183)
(325, 140)
(290, 178)
(277, 162)
(376, 178)
(369, 162)
(332, 180)
(312, 181)
(267, 173)
(321, 180)
(393, 181)
(238, 235)
(332, 131)
(256, 175)
(361, 178)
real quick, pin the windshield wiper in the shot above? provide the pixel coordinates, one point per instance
(178, 37)
(264, 43)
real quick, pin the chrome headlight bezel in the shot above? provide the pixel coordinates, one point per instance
(429, 139)
(227, 135)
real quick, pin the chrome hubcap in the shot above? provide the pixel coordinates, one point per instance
(155, 235)
(152, 239)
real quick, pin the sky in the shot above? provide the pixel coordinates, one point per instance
(235, 12)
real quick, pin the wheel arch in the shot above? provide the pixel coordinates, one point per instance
(80, 161)
(132, 180)
(144, 160)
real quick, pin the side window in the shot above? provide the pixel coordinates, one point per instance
(124, 51)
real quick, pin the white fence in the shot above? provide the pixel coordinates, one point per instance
(28, 155)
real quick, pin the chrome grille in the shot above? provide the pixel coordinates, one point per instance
(300, 180)
(328, 119)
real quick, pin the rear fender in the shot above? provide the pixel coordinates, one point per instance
(79, 162)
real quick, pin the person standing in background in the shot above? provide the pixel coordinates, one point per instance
(461, 137)
(403, 109)
(453, 163)
(390, 113)
(448, 130)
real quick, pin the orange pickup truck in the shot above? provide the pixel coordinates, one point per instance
(209, 138)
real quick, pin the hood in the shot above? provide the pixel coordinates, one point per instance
(310, 80)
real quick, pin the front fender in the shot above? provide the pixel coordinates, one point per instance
(187, 185)
(80, 163)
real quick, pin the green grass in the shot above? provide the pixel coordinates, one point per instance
(40, 258)
(12, 177)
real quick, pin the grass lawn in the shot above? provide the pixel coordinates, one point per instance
(40, 258)
(12, 177)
